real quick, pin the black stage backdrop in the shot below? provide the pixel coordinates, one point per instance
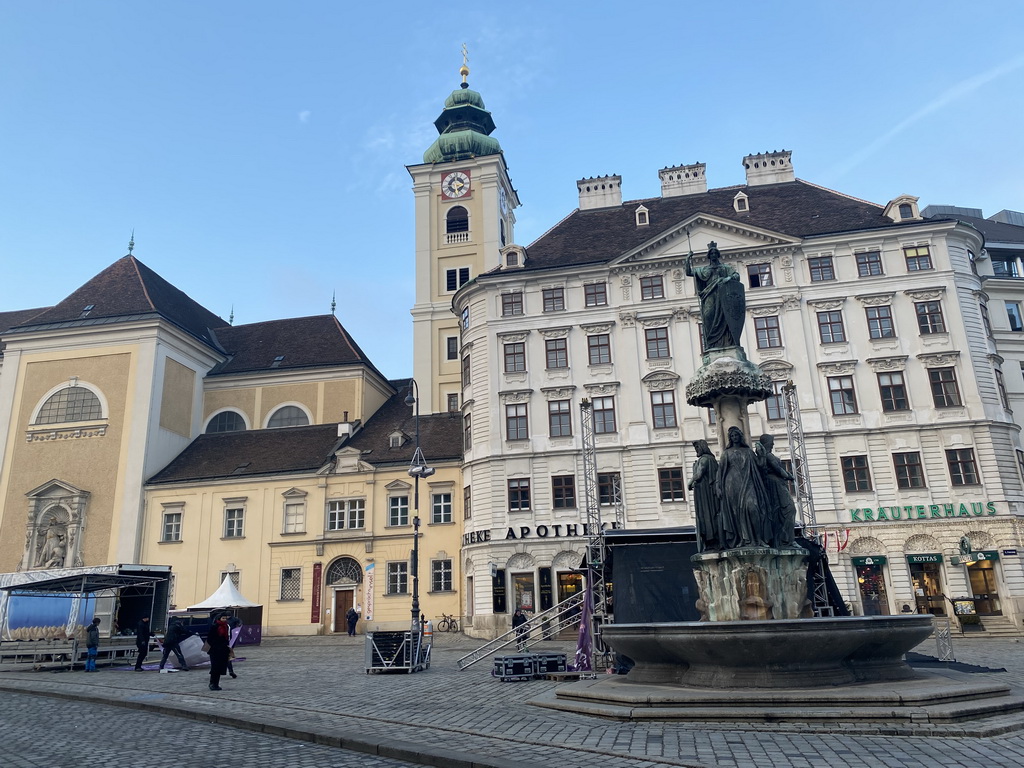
(653, 582)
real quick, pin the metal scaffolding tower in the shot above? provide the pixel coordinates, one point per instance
(596, 546)
(804, 498)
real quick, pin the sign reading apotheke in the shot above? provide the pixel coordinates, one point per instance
(555, 531)
(922, 512)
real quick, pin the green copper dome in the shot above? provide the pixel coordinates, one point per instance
(465, 127)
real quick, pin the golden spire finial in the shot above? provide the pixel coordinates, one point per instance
(464, 69)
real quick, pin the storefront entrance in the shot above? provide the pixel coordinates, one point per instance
(343, 600)
(982, 576)
(871, 585)
(926, 576)
(523, 591)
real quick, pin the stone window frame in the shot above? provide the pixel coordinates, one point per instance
(290, 585)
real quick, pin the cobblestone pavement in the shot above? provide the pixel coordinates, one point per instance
(315, 688)
(43, 733)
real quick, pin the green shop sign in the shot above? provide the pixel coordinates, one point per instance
(871, 560)
(924, 558)
(975, 557)
(922, 512)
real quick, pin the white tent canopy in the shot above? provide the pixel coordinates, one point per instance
(226, 596)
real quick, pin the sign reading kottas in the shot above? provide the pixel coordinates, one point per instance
(922, 512)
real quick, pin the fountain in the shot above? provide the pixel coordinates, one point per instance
(759, 653)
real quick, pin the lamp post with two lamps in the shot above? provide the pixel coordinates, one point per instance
(417, 468)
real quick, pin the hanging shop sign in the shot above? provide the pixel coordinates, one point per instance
(871, 560)
(924, 558)
(922, 512)
(975, 557)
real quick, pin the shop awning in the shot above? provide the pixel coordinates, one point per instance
(79, 584)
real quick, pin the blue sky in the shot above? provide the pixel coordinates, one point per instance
(258, 149)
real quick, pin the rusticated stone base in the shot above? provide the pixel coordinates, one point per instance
(752, 584)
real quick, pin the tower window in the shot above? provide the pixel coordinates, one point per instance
(457, 220)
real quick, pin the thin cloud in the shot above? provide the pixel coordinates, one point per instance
(958, 91)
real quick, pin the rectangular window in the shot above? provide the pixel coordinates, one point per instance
(670, 484)
(1005, 267)
(604, 415)
(559, 418)
(515, 357)
(467, 502)
(869, 264)
(821, 268)
(1001, 386)
(440, 508)
(172, 527)
(760, 275)
(452, 347)
(234, 523)
(467, 432)
(398, 510)
(455, 278)
(346, 513)
(465, 318)
(1020, 463)
(767, 330)
(830, 327)
(657, 342)
(465, 372)
(652, 287)
(962, 468)
(712, 417)
(295, 517)
(599, 347)
(918, 258)
(595, 294)
(235, 576)
(893, 391)
(398, 578)
(844, 400)
(291, 583)
(776, 405)
(556, 351)
(511, 304)
(929, 317)
(563, 492)
(880, 325)
(945, 391)
(909, 470)
(1013, 313)
(985, 319)
(519, 495)
(453, 402)
(609, 488)
(554, 299)
(787, 464)
(663, 408)
(440, 575)
(855, 473)
(515, 422)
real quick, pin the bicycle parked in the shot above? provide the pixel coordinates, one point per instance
(447, 624)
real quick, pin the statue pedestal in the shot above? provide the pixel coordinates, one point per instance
(752, 584)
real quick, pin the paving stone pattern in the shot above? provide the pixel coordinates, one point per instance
(316, 688)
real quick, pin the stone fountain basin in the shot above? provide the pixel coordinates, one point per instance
(789, 653)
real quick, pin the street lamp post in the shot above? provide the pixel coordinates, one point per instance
(417, 468)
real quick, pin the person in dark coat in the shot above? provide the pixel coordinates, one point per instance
(142, 635)
(518, 620)
(176, 634)
(233, 623)
(218, 640)
(92, 645)
(352, 616)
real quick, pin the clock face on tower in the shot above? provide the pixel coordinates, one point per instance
(455, 185)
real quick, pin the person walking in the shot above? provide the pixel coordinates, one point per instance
(176, 634)
(142, 635)
(522, 633)
(352, 616)
(218, 641)
(233, 623)
(92, 645)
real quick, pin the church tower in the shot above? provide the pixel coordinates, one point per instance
(465, 207)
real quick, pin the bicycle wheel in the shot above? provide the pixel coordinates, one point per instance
(442, 625)
(454, 626)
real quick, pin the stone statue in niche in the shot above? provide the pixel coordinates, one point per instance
(723, 306)
(744, 498)
(705, 501)
(53, 547)
(782, 514)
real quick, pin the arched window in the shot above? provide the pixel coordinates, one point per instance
(70, 404)
(288, 416)
(344, 570)
(457, 220)
(226, 421)
(906, 211)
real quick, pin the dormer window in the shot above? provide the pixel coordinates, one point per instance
(512, 260)
(277, 361)
(902, 208)
(513, 256)
(642, 218)
(740, 203)
(906, 212)
(87, 309)
(396, 439)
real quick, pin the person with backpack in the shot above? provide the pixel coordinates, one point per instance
(352, 616)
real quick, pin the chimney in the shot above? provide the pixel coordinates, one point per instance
(769, 168)
(683, 180)
(600, 192)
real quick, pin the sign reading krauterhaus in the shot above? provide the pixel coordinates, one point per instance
(922, 512)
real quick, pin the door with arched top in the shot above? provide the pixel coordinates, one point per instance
(344, 577)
